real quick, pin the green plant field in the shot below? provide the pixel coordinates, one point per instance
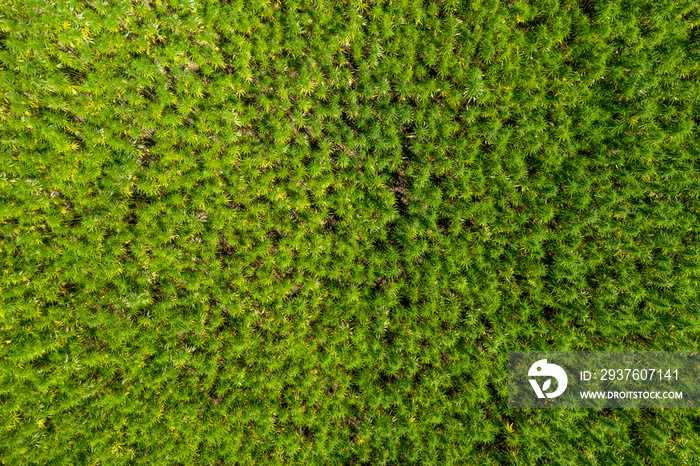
(310, 232)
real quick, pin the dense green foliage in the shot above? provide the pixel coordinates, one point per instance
(298, 232)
